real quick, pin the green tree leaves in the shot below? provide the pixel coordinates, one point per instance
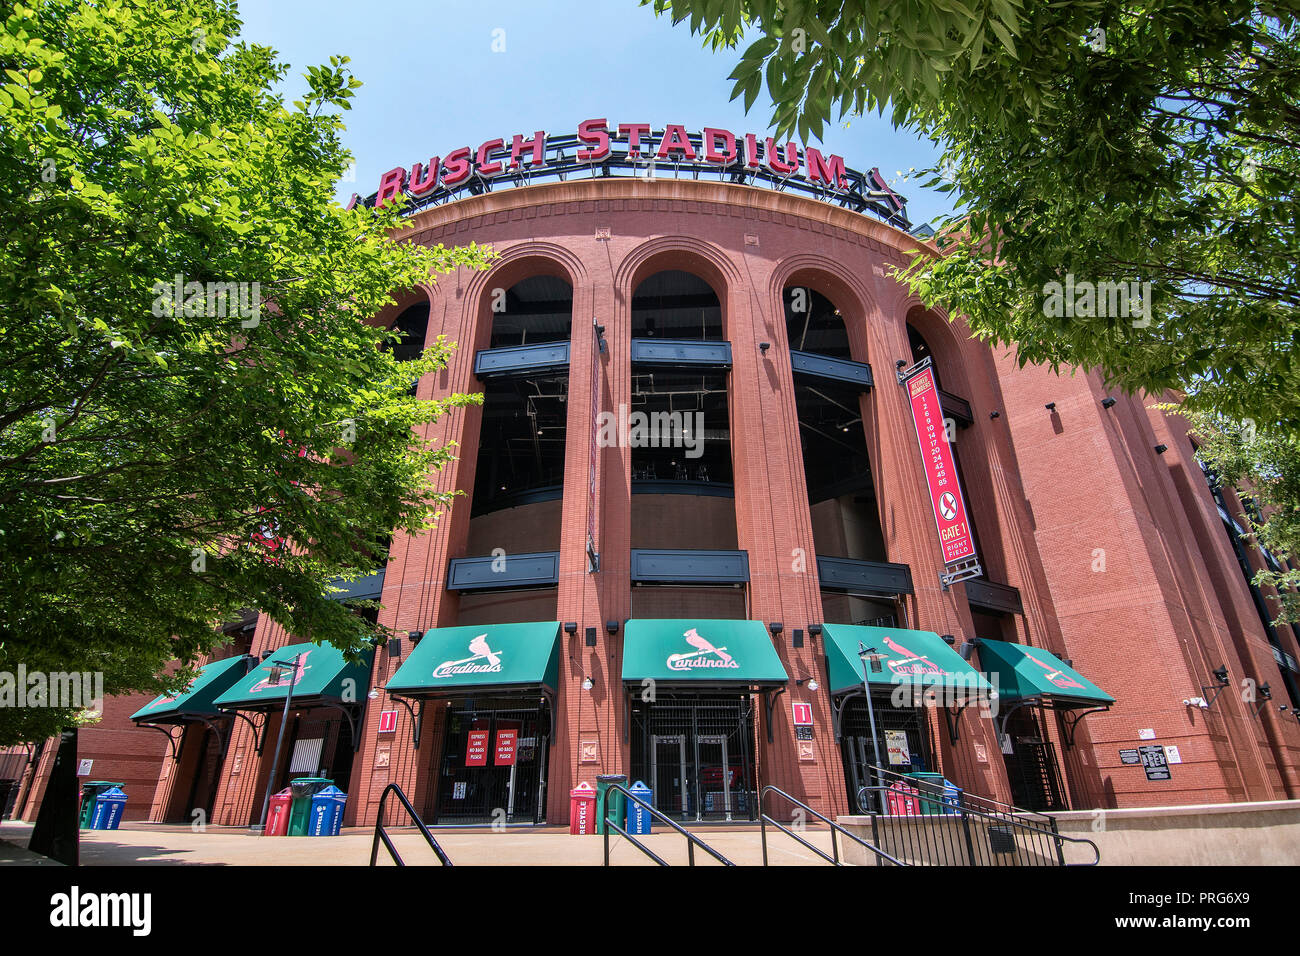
(140, 147)
(1156, 142)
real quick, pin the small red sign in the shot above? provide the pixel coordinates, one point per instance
(802, 714)
(507, 741)
(476, 749)
(387, 721)
(946, 499)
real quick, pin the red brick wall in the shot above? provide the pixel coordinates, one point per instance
(1045, 491)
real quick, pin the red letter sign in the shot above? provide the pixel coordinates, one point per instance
(506, 747)
(476, 749)
(940, 472)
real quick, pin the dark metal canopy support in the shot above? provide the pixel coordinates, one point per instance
(259, 738)
(769, 701)
(171, 741)
(349, 711)
(837, 711)
(1071, 721)
(549, 697)
(417, 717)
(952, 715)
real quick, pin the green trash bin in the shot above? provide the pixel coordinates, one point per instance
(89, 791)
(617, 803)
(931, 788)
(301, 790)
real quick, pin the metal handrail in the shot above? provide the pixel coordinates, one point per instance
(691, 839)
(1001, 819)
(991, 805)
(381, 832)
(834, 860)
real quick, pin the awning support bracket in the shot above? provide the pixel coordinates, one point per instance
(769, 701)
(417, 717)
(953, 717)
(1071, 721)
(549, 697)
(259, 738)
(349, 711)
(837, 711)
(171, 739)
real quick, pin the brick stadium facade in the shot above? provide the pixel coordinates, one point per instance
(1094, 546)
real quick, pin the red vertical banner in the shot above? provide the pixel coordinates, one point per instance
(476, 748)
(946, 499)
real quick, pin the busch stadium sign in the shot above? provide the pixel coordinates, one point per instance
(632, 150)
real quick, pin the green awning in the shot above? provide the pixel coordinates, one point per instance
(196, 701)
(479, 658)
(1026, 672)
(323, 675)
(917, 658)
(691, 650)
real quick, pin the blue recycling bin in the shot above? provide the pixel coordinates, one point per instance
(327, 812)
(638, 817)
(108, 809)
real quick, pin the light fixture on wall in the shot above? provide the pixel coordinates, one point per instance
(776, 627)
(994, 415)
(764, 346)
(611, 628)
(813, 685)
(1108, 402)
(968, 648)
(600, 335)
(416, 637)
(571, 628)
(1265, 695)
(1050, 406)
(1161, 449)
(587, 683)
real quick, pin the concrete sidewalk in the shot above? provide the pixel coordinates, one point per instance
(162, 844)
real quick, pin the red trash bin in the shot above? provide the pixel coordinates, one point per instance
(903, 801)
(277, 819)
(582, 809)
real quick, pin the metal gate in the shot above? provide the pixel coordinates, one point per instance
(859, 752)
(488, 793)
(697, 755)
(1032, 768)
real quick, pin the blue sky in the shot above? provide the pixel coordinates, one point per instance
(432, 82)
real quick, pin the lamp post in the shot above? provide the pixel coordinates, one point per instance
(279, 738)
(875, 657)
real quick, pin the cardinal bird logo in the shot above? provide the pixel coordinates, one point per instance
(700, 657)
(1055, 674)
(482, 660)
(910, 663)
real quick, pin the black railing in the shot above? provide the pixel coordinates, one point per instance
(836, 830)
(692, 841)
(927, 824)
(381, 832)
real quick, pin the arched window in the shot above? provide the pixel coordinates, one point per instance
(413, 324)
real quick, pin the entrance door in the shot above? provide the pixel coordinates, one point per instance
(493, 767)
(902, 735)
(668, 774)
(1032, 770)
(697, 754)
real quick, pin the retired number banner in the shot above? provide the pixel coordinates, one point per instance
(946, 499)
